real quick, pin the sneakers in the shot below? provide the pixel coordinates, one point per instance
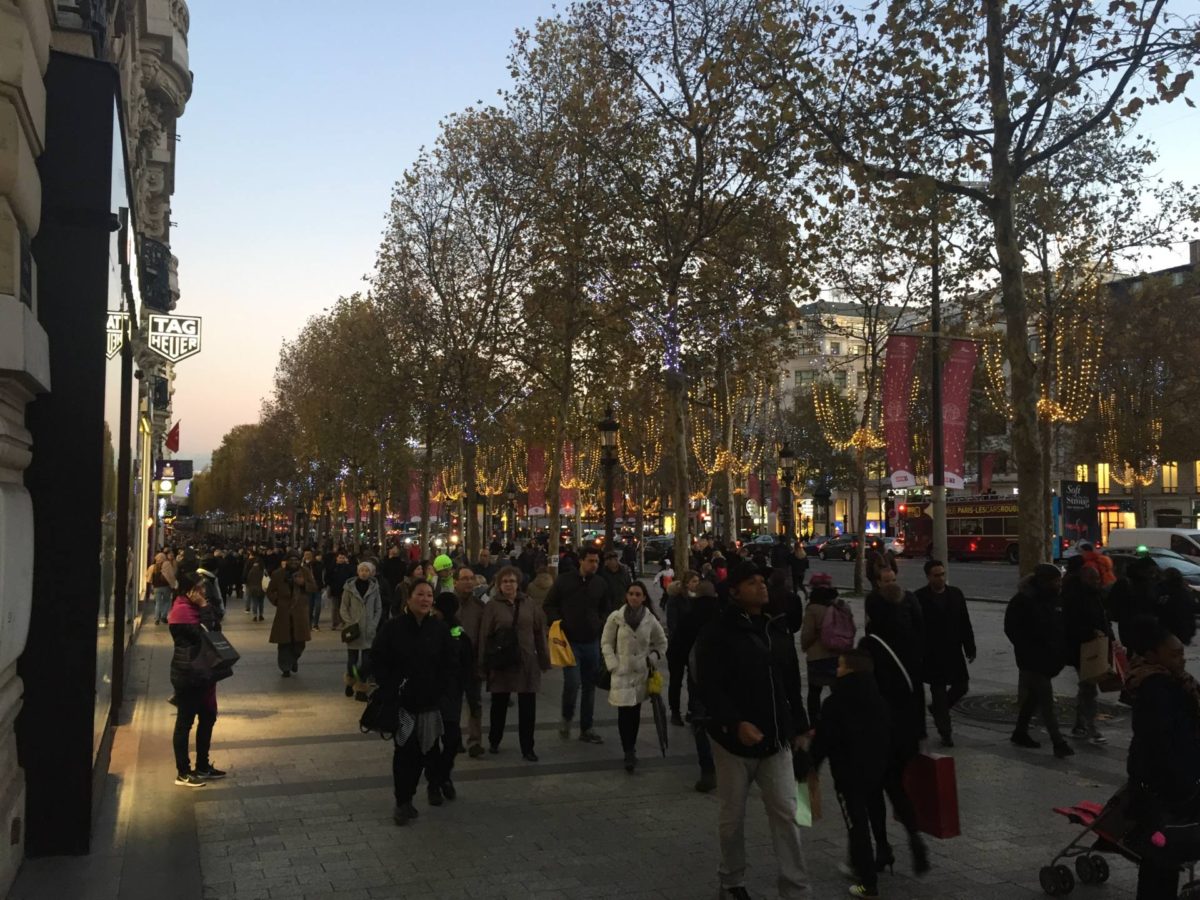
(449, 791)
(404, 814)
(475, 751)
(1079, 731)
(861, 890)
(564, 729)
(707, 783)
(530, 756)
(209, 772)
(435, 795)
(189, 779)
(1098, 739)
(847, 871)
(590, 737)
(1063, 750)
(1022, 739)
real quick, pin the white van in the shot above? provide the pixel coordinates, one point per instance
(1184, 541)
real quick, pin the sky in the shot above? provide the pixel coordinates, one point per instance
(300, 122)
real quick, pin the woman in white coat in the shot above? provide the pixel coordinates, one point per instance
(362, 610)
(631, 635)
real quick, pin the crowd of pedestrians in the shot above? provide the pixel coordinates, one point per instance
(728, 631)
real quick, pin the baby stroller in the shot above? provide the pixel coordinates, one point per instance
(1108, 829)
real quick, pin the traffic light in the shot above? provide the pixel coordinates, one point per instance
(903, 508)
(165, 486)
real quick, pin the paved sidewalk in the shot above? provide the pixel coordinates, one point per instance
(306, 809)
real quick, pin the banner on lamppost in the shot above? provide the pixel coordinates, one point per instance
(173, 337)
(901, 355)
(115, 332)
(957, 376)
(1080, 511)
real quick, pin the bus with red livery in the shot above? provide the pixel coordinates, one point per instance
(983, 527)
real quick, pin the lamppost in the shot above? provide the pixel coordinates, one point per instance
(510, 494)
(787, 462)
(372, 496)
(608, 428)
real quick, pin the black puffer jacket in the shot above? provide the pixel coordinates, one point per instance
(854, 734)
(1164, 754)
(1033, 624)
(1083, 616)
(187, 642)
(421, 654)
(747, 671)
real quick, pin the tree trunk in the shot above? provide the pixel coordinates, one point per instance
(554, 484)
(676, 425)
(471, 525)
(1024, 388)
(860, 521)
(426, 490)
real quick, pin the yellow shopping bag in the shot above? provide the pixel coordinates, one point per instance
(561, 654)
(654, 684)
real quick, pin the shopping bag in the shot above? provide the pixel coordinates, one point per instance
(1114, 678)
(808, 800)
(932, 787)
(561, 654)
(214, 659)
(1095, 661)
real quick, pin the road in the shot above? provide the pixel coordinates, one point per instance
(977, 580)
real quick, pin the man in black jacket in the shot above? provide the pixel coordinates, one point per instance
(581, 600)
(1033, 624)
(948, 639)
(749, 678)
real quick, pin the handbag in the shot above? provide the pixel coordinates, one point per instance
(351, 632)
(503, 650)
(214, 658)
(382, 714)
(561, 654)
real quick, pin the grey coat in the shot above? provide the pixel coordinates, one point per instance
(363, 611)
(531, 637)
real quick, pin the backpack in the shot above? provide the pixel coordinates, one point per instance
(837, 627)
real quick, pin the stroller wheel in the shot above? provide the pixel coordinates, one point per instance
(1048, 878)
(1085, 868)
(1100, 866)
(1066, 881)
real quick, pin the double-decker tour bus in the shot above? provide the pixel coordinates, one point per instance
(983, 528)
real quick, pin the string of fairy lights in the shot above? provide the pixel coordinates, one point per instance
(1125, 426)
(727, 435)
(839, 417)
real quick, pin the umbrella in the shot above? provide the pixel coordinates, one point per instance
(660, 710)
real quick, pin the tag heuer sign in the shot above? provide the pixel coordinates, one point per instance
(115, 333)
(174, 337)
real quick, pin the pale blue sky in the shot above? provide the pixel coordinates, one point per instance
(302, 117)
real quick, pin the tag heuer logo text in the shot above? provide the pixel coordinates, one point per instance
(115, 333)
(174, 337)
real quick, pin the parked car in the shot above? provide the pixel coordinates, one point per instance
(1164, 559)
(844, 546)
(813, 545)
(659, 546)
(895, 544)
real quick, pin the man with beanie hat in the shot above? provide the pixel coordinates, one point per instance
(443, 575)
(748, 675)
(1034, 625)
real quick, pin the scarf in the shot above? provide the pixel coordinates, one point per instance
(1140, 670)
(363, 585)
(634, 616)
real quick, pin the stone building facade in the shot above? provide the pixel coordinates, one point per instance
(90, 92)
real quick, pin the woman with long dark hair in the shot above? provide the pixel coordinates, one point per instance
(195, 699)
(631, 637)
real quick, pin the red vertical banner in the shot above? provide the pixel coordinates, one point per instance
(900, 357)
(536, 473)
(957, 376)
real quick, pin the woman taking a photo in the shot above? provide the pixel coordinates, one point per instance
(414, 656)
(630, 636)
(362, 610)
(190, 614)
(512, 655)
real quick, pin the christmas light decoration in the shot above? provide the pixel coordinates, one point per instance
(730, 436)
(1131, 437)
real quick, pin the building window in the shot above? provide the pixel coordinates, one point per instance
(1081, 472)
(1102, 484)
(1196, 476)
(835, 348)
(1170, 477)
(856, 349)
(860, 379)
(839, 378)
(804, 377)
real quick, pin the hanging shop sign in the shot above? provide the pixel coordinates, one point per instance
(174, 337)
(115, 332)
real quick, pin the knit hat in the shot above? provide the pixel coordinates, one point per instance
(443, 563)
(820, 579)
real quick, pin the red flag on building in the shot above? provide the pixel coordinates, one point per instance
(173, 438)
(901, 355)
(957, 375)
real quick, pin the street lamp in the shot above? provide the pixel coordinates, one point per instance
(372, 496)
(608, 428)
(787, 462)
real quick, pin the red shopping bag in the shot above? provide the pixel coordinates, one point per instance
(931, 784)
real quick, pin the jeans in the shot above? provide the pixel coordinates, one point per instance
(474, 693)
(314, 608)
(1085, 707)
(162, 603)
(407, 764)
(856, 813)
(1035, 692)
(582, 674)
(776, 781)
(526, 718)
(255, 605)
(191, 705)
(629, 719)
(357, 659)
(942, 698)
